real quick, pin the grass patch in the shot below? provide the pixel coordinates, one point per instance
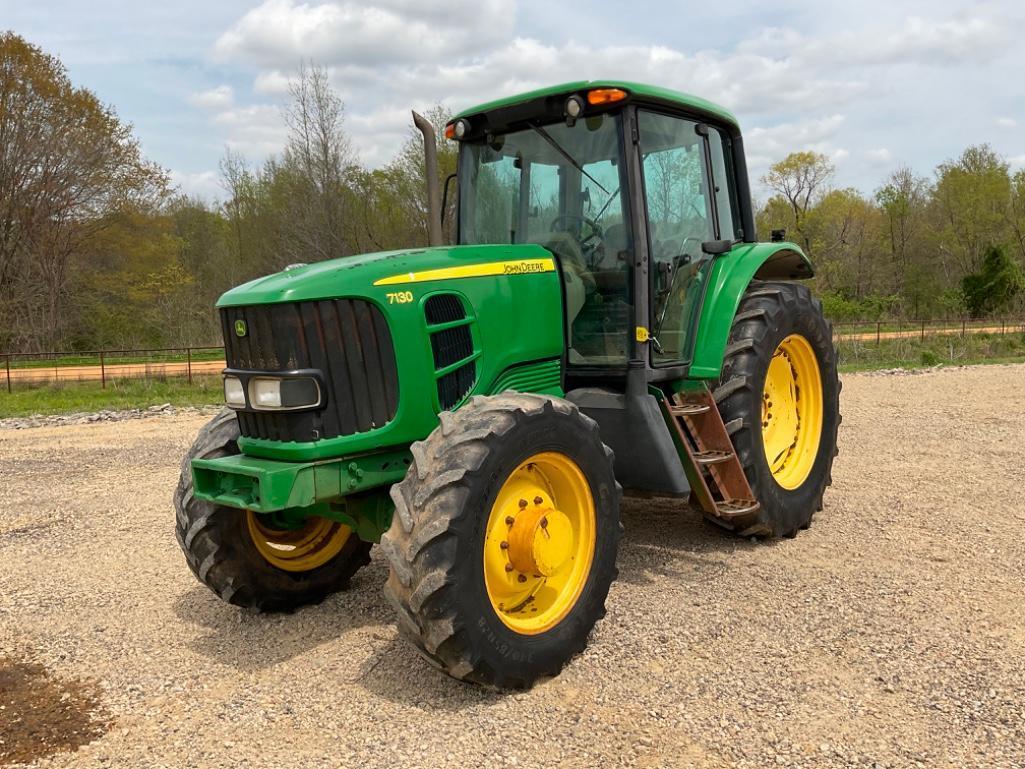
(119, 394)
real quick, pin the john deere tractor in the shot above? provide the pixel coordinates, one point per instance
(607, 320)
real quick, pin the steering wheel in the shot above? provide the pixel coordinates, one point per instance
(588, 243)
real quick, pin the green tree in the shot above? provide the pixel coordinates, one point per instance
(904, 201)
(995, 286)
(800, 179)
(971, 199)
(67, 165)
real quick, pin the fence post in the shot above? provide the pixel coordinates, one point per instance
(964, 323)
(188, 353)
(103, 372)
(923, 330)
(8, 373)
(879, 328)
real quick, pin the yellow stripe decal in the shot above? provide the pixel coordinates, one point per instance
(517, 267)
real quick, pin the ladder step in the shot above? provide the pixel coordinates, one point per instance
(736, 508)
(712, 457)
(688, 409)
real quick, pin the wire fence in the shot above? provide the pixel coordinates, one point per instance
(859, 342)
(103, 367)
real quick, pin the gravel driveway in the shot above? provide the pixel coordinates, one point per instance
(892, 633)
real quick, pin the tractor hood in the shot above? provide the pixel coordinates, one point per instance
(373, 275)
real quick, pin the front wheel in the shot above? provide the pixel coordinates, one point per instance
(243, 557)
(504, 539)
(779, 396)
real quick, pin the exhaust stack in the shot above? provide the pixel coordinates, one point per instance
(433, 193)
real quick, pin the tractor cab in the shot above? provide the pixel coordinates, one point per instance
(634, 195)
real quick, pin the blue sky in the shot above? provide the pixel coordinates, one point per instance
(872, 84)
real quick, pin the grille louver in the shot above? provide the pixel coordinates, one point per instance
(450, 346)
(346, 339)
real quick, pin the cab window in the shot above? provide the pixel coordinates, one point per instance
(678, 197)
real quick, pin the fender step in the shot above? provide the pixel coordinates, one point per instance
(716, 477)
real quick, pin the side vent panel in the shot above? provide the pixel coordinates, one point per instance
(455, 359)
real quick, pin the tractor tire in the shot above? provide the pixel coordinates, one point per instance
(781, 346)
(221, 543)
(508, 478)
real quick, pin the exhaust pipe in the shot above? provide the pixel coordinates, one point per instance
(433, 193)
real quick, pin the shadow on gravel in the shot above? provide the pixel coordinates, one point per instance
(43, 715)
(668, 537)
(249, 641)
(398, 673)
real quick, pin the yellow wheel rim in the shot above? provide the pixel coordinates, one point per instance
(539, 543)
(792, 411)
(303, 549)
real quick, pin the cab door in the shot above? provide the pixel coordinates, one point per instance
(690, 194)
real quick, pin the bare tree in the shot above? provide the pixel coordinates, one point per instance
(317, 163)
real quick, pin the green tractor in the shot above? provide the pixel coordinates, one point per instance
(607, 320)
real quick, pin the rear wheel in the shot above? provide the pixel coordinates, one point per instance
(248, 560)
(504, 539)
(779, 397)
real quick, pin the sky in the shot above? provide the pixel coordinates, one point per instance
(872, 84)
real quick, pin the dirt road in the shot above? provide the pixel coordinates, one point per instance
(892, 633)
(111, 371)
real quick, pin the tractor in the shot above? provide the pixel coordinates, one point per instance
(607, 320)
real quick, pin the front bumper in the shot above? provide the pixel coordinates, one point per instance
(270, 486)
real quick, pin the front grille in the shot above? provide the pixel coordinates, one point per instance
(346, 339)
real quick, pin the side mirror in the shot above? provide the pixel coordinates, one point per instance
(778, 236)
(444, 196)
(716, 247)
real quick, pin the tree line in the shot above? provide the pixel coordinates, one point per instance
(99, 251)
(950, 245)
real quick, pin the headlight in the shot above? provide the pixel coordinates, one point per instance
(234, 394)
(268, 394)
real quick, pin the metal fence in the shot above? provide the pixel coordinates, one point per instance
(879, 330)
(35, 369)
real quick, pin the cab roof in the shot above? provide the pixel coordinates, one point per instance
(638, 92)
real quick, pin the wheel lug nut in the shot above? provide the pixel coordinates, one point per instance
(522, 578)
(544, 523)
(523, 503)
(504, 545)
(538, 500)
(508, 567)
(509, 520)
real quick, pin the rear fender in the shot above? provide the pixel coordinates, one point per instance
(730, 276)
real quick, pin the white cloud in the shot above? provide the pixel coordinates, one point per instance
(254, 130)
(279, 33)
(204, 184)
(1007, 122)
(215, 98)
(919, 41)
(1018, 161)
(880, 155)
(272, 82)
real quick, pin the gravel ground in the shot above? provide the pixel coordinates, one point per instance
(892, 633)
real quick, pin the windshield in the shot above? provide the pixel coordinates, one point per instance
(515, 188)
(562, 187)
